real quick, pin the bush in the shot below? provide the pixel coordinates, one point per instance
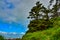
(1, 37)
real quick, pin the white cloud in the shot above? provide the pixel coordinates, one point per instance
(19, 13)
(14, 33)
(3, 32)
(11, 32)
(22, 33)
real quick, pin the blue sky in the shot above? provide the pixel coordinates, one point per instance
(14, 13)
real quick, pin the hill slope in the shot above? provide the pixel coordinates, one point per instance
(49, 34)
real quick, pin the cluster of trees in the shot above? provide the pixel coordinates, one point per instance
(40, 18)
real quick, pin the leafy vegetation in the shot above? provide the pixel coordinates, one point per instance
(40, 18)
(1, 37)
(49, 34)
(44, 27)
(37, 23)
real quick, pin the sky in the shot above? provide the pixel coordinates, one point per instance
(14, 13)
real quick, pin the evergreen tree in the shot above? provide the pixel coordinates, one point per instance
(39, 23)
(55, 8)
(37, 12)
(34, 13)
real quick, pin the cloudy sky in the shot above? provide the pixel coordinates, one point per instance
(14, 13)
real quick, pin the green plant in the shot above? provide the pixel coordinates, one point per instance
(1, 37)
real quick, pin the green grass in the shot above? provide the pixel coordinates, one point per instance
(49, 34)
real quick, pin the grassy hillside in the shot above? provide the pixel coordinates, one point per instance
(49, 34)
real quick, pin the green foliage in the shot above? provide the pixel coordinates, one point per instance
(57, 22)
(55, 8)
(45, 22)
(49, 34)
(50, 27)
(39, 23)
(34, 13)
(1, 37)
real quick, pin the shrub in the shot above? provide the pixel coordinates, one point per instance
(1, 37)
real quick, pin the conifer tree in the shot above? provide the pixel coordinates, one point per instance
(55, 8)
(34, 13)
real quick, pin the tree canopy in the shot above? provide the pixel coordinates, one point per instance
(41, 19)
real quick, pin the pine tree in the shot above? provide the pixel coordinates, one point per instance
(55, 8)
(34, 13)
(39, 23)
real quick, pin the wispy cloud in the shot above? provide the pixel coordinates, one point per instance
(10, 32)
(3, 32)
(22, 32)
(16, 10)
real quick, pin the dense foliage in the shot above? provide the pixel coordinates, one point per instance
(37, 23)
(49, 34)
(42, 25)
(40, 18)
(1, 37)
(45, 22)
